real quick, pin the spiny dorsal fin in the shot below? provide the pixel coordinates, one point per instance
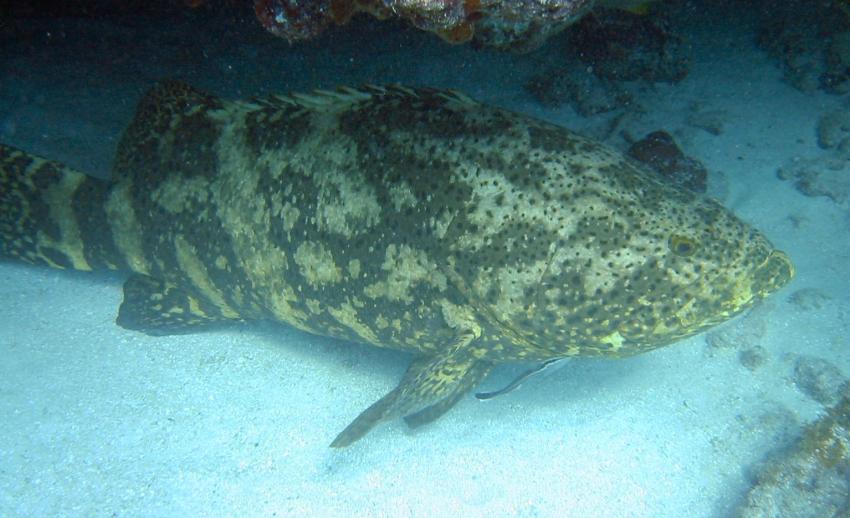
(154, 139)
(155, 114)
(345, 97)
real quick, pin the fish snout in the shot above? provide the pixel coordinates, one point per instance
(775, 272)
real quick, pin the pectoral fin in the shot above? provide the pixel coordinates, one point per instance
(158, 308)
(429, 388)
(476, 372)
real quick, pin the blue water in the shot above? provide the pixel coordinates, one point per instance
(101, 421)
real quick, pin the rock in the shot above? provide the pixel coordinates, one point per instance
(296, 20)
(753, 357)
(766, 428)
(587, 94)
(828, 175)
(810, 478)
(742, 333)
(809, 299)
(623, 46)
(607, 58)
(836, 77)
(775, 425)
(708, 121)
(518, 25)
(833, 128)
(818, 379)
(659, 151)
(810, 40)
(524, 25)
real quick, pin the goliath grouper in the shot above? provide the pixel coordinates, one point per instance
(410, 218)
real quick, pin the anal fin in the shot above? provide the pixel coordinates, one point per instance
(158, 308)
(429, 388)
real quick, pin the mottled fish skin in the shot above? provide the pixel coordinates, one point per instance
(416, 219)
(53, 215)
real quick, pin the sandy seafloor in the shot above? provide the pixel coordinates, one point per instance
(101, 421)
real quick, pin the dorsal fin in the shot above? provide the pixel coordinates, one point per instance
(155, 114)
(149, 150)
(345, 97)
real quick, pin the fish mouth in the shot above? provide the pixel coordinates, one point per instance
(775, 272)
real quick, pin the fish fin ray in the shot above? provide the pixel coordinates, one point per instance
(429, 388)
(344, 97)
(476, 372)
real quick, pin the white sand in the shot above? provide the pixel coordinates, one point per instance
(100, 421)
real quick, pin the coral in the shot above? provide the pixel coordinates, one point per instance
(293, 19)
(519, 25)
(516, 25)
(523, 25)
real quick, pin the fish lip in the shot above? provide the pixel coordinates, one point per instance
(792, 271)
(774, 272)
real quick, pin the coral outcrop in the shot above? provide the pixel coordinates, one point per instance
(518, 25)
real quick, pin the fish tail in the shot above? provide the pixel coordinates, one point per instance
(53, 215)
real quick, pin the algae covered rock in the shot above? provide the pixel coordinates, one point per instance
(810, 41)
(819, 379)
(659, 151)
(827, 175)
(518, 25)
(834, 128)
(515, 25)
(811, 479)
(624, 46)
(609, 58)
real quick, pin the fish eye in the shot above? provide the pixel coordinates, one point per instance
(681, 245)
